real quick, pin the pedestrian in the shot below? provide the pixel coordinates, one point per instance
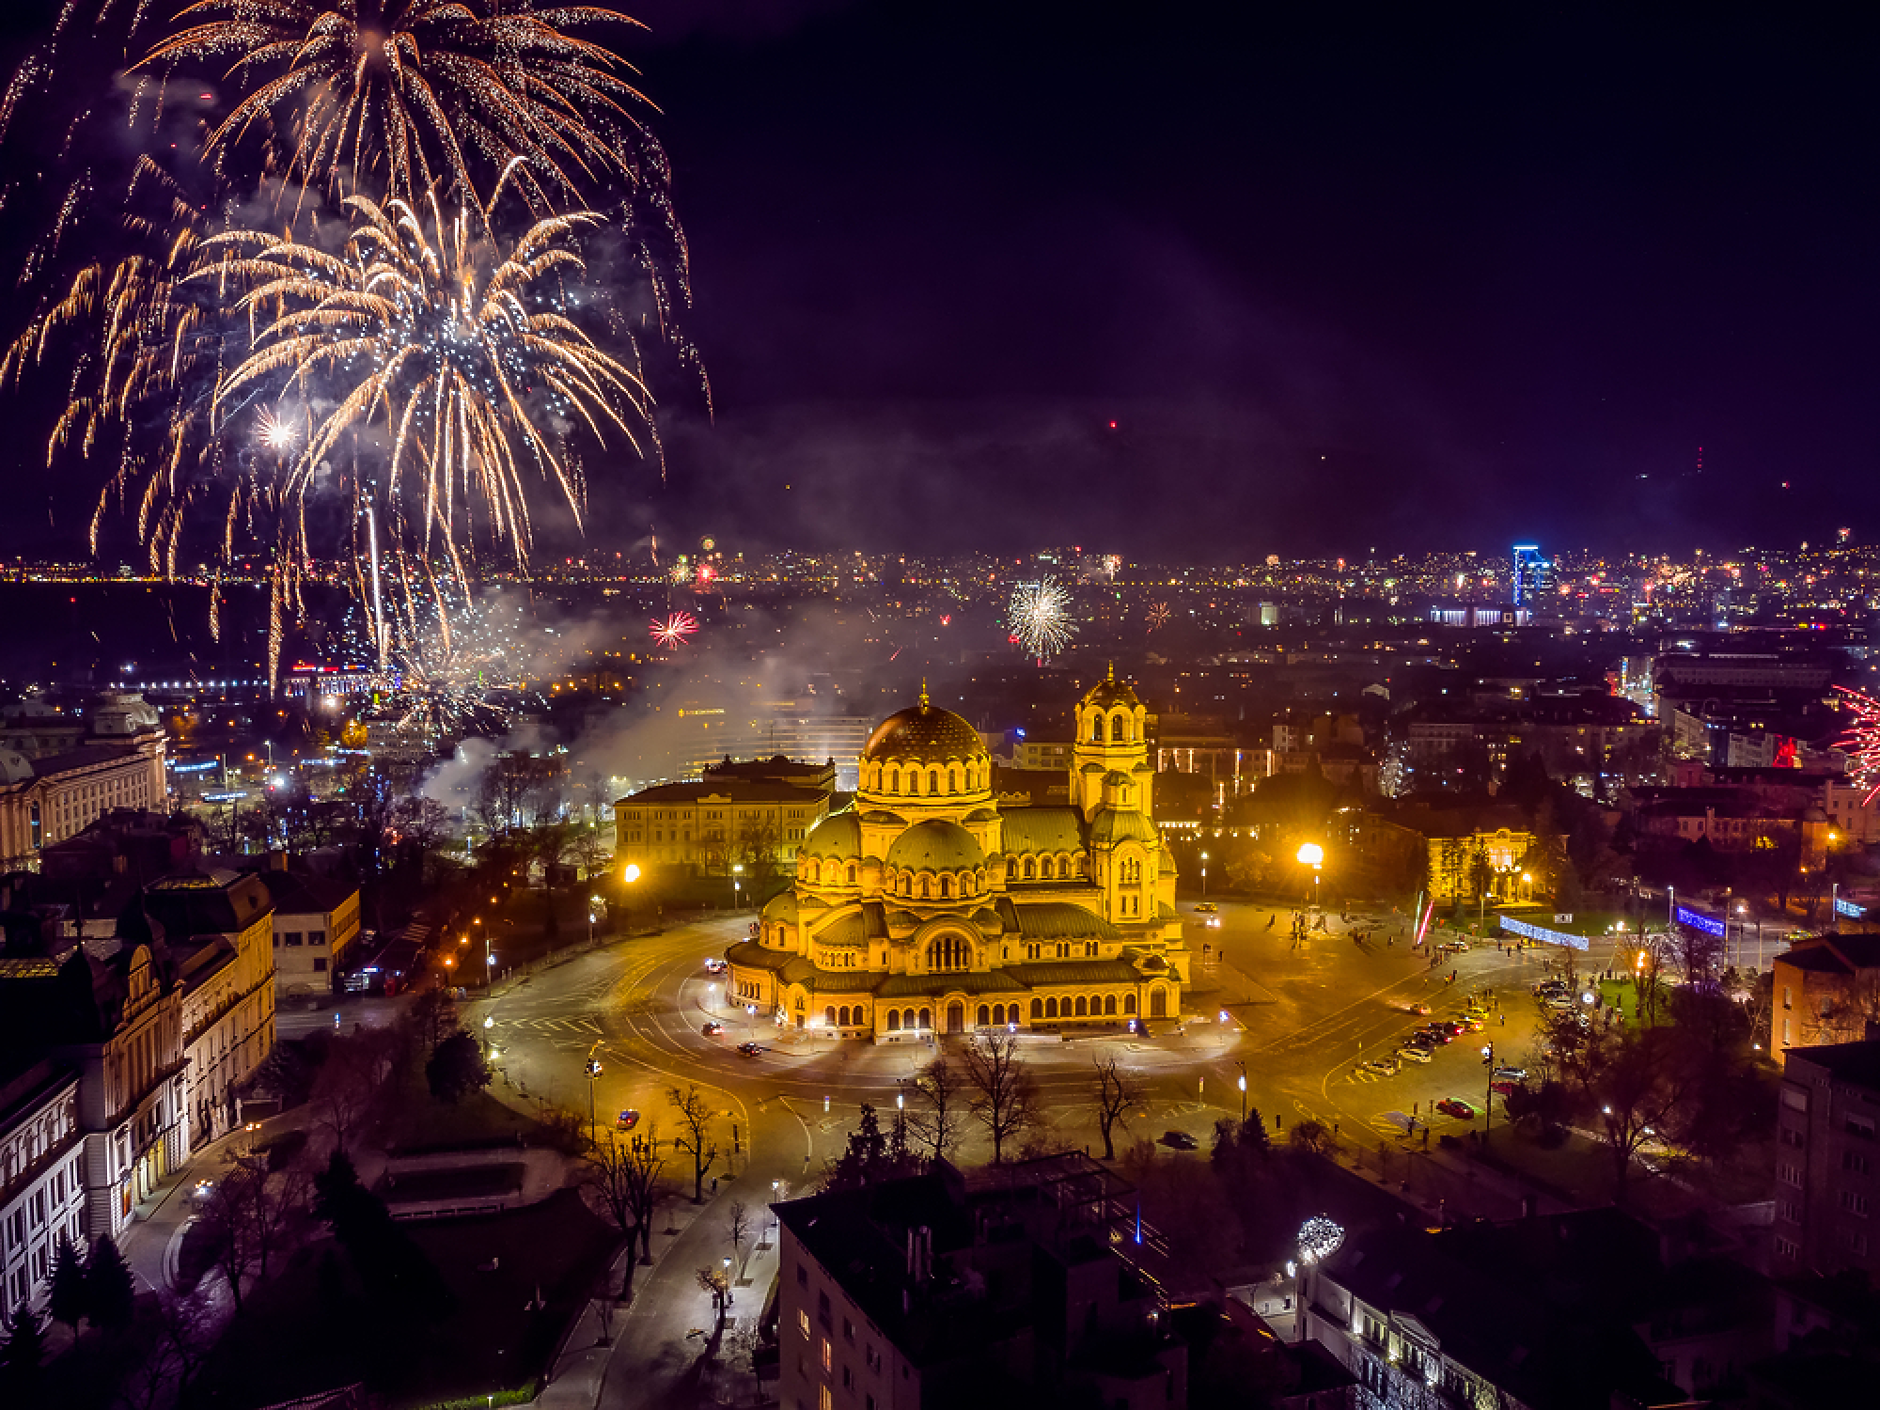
(714, 1184)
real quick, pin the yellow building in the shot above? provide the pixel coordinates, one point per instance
(716, 824)
(927, 906)
(1470, 861)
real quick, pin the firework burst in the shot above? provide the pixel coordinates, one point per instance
(1040, 615)
(1862, 740)
(406, 96)
(466, 354)
(1157, 615)
(672, 631)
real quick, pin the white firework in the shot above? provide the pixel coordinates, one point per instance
(1041, 617)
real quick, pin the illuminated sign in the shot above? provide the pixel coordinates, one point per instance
(1849, 909)
(1541, 933)
(234, 797)
(1698, 921)
(203, 767)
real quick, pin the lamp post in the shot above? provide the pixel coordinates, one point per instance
(629, 876)
(1243, 1091)
(750, 1022)
(737, 885)
(1312, 855)
(727, 1281)
(1204, 876)
(593, 1071)
(1488, 1088)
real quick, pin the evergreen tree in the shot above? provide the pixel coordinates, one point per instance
(70, 1296)
(22, 1357)
(109, 1293)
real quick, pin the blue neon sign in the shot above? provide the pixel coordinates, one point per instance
(1849, 909)
(1541, 933)
(1697, 920)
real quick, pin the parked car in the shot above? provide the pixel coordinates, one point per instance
(1439, 1033)
(1469, 1023)
(628, 1119)
(1410, 1052)
(714, 965)
(749, 1049)
(1456, 1107)
(1388, 1066)
(1179, 1140)
(1513, 1074)
(710, 1029)
(1505, 1089)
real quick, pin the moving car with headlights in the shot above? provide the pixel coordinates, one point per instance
(1456, 1107)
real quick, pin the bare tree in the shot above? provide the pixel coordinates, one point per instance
(695, 1118)
(1117, 1091)
(184, 1334)
(349, 1082)
(1006, 1097)
(936, 1125)
(1313, 1136)
(1636, 1080)
(717, 1282)
(250, 1218)
(739, 1227)
(623, 1179)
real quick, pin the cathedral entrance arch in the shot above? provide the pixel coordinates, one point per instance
(956, 1017)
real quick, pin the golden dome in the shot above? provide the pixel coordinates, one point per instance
(925, 734)
(1110, 691)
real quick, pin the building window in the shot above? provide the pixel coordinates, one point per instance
(293, 939)
(319, 964)
(828, 1354)
(316, 937)
(802, 1319)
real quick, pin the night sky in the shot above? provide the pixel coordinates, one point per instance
(1343, 278)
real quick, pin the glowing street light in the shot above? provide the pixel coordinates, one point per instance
(1312, 855)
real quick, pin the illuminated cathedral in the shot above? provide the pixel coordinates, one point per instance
(925, 907)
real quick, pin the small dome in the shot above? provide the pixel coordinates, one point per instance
(1110, 691)
(15, 767)
(924, 733)
(838, 837)
(781, 909)
(936, 845)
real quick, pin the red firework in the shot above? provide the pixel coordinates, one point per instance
(674, 629)
(1862, 740)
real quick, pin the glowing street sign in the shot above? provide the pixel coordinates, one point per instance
(1699, 921)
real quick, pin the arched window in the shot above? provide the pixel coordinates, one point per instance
(1119, 728)
(926, 1018)
(946, 888)
(1037, 1008)
(949, 952)
(815, 873)
(998, 1013)
(1031, 870)
(1050, 1008)
(852, 873)
(922, 888)
(894, 780)
(894, 1020)
(1096, 728)
(1158, 1003)
(985, 1016)
(1129, 1003)
(933, 780)
(953, 780)
(842, 1016)
(1083, 1007)
(966, 885)
(829, 1016)
(1109, 1006)
(1090, 949)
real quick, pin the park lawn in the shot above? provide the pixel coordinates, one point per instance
(453, 1182)
(311, 1329)
(417, 1122)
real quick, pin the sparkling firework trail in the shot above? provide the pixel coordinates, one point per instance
(1862, 740)
(469, 359)
(673, 630)
(1040, 615)
(1158, 615)
(407, 96)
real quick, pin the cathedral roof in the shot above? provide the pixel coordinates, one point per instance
(936, 845)
(925, 734)
(837, 836)
(1055, 920)
(1043, 830)
(1112, 826)
(781, 908)
(1110, 691)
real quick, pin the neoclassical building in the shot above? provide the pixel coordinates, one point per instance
(925, 907)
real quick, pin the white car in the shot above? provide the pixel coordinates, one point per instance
(714, 965)
(1414, 1054)
(1511, 1074)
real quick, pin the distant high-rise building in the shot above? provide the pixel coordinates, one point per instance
(1531, 573)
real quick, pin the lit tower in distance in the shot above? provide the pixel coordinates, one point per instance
(1530, 574)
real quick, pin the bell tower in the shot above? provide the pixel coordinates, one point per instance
(1110, 761)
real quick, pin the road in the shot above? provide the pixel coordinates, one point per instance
(1300, 1019)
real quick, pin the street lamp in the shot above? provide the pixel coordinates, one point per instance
(727, 1263)
(1312, 855)
(737, 884)
(750, 1021)
(593, 1071)
(1204, 876)
(1488, 1088)
(1243, 1091)
(629, 874)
